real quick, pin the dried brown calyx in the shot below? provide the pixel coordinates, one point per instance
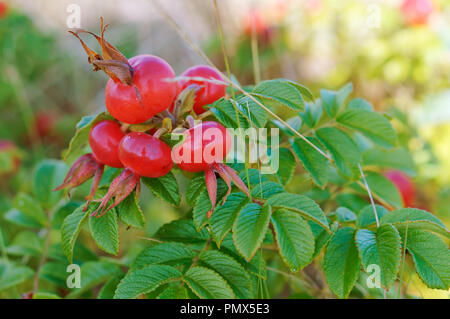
(111, 61)
(120, 188)
(83, 169)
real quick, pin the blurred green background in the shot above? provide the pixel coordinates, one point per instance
(396, 58)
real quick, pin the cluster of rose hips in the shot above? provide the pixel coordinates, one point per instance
(140, 90)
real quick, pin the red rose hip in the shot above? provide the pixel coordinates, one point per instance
(404, 185)
(145, 155)
(209, 92)
(149, 94)
(204, 148)
(205, 144)
(138, 88)
(104, 139)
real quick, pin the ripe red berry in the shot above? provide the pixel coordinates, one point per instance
(417, 12)
(142, 155)
(3, 9)
(149, 94)
(44, 123)
(204, 148)
(205, 144)
(145, 155)
(404, 185)
(209, 92)
(104, 139)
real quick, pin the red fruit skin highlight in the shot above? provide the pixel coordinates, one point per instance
(104, 139)
(209, 92)
(149, 81)
(202, 140)
(404, 185)
(145, 155)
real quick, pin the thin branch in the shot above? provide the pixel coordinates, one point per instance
(43, 257)
(151, 239)
(370, 195)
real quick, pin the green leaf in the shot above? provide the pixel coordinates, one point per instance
(196, 187)
(203, 205)
(266, 190)
(398, 158)
(12, 275)
(294, 237)
(130, 212)
(313, 113)
(373, 125)
(366, 217)
(62, 212)
(45, 295)
(321, 237)
(359, 104)
(105, 231)
(182, 231)
(250, 228)
(25, 243)
(314, 162)
(94, 273)
(109, 288)
(234, 274)
(16, 217)
(342, 148)
(304, 91)
(165, 253)
(70, 229)
(345, 215)
(334, 100)
(294, 122)
(381, 248)
(30, 208)
(55, 272)
(431, 257)
(382, 187)
(300, 204)
(207, 284)
(223, 217)
(254, 177)
(48, 175)
(352, 201)
(254, 113)
(415, 218)
(80, 140)
(174, 291)
(279, 93)
(145, 280)
(341, 262)
(287, 165)
(225, 113)
(165, 187)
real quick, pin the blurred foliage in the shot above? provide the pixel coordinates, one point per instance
(322, 43)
